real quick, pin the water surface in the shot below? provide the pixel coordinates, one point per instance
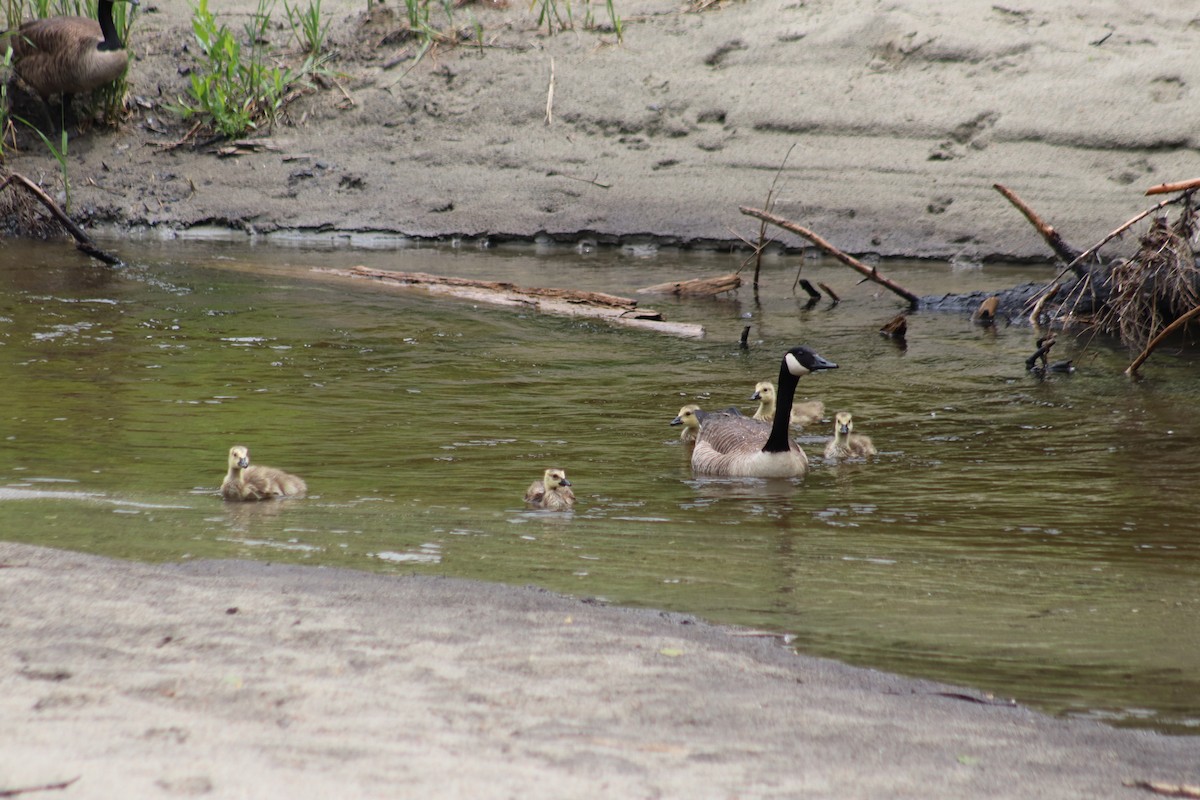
(1033, 538)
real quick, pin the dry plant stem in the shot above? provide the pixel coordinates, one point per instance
(870, 273)
(1132, 369)
(550, 95)
(1051, 236)
(46, 787)
(82, 240)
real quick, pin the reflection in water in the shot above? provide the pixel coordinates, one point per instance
(1030, 538)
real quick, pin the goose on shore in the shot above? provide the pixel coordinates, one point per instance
(69, 55)
(552, 493)
(741, 447)
(246, 482)
(805, 413)
(845, 442)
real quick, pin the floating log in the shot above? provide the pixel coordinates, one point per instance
(557, 302)
(896, 328)
(869, 273)
(696, 287)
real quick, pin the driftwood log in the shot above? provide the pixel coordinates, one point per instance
(558, 302)
(696, 287)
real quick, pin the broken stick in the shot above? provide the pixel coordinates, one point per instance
(1051, 236)
(82, 240)
(1132, 369)
(850, 261)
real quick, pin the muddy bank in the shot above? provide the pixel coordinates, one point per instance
(898, 120)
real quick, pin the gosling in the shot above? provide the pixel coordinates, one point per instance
(552, 492)
(845, 443)
(245, 482)
(690, 417)
(802, 413)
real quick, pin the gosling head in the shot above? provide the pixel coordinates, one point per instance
(554, 478)
(239, 456)
(802, 360)
(689, 417)
(843, 423)
(764, 391)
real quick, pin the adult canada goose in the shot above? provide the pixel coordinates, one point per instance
(845, 443)
(552, 492)
(69, 55)
(246, 482)
(802, 413)
(749, 448)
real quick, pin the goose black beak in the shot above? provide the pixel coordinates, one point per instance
(820, 362)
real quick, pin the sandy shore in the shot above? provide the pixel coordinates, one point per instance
(895, 121)
(235, 679)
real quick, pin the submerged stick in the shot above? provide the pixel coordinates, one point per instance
(82, 240)
(870, 273)
(1059, 245)
(1132, 369)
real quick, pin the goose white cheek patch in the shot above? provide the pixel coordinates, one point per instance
(794, 366)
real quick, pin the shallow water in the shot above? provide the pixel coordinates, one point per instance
(1034, 539)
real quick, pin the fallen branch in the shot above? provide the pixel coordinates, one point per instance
(1171, 188)
(1132, 369)
(1051, 236)
(870, 273)
(702, 287)
(1166, 789)
(82, 240)
(558, 302)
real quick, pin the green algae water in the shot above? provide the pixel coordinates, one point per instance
(1035, 539)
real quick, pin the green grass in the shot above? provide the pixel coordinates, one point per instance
(240, 87)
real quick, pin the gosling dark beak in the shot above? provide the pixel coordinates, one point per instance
(564, 482)
(243, 463)
(677, 421)
(754, 396)
(843, 429)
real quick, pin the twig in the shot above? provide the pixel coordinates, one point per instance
(593, 181)
(1132, 369)
(46, 787)
(550, 95)
(832, 294)
(850, 261)
(1043, 351)
(82, 240)
(1051, 236)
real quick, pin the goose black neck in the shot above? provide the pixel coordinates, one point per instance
(112, 40)
(780, 440)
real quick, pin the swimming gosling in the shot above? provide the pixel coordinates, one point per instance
(69, 55)
(552, 492)
(845, 443)
(689, 417)
(741, 447)
(802, 413)
(246, 482)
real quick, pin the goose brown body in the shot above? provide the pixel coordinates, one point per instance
(845, 443)
(739, 447)
(552, 493)
(69, 55)
(244, 481)
(805, 413)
